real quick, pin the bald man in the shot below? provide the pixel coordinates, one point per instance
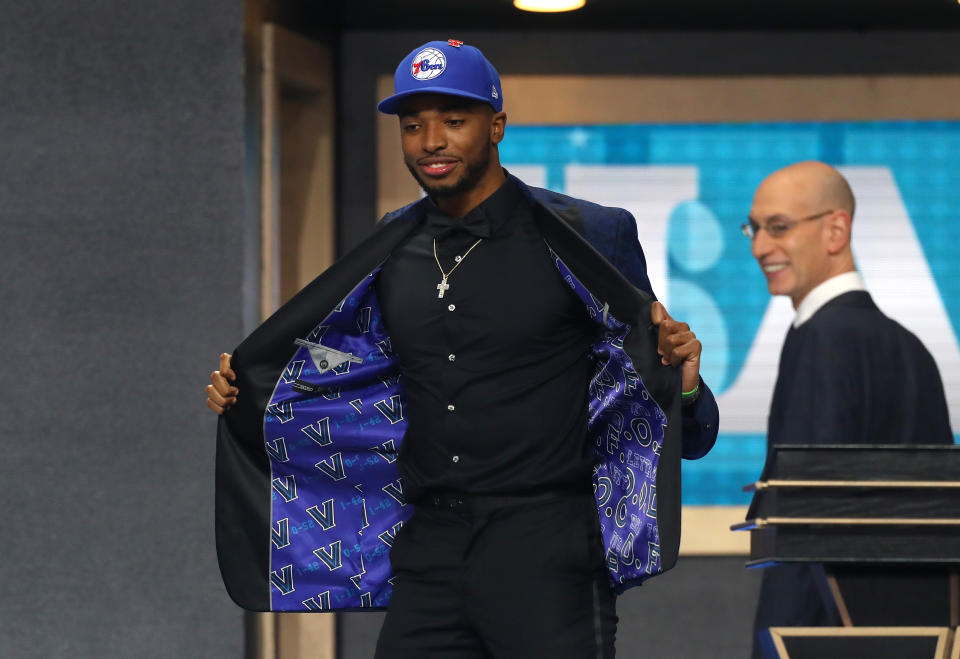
(848, 374)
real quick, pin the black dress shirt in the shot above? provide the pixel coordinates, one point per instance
(496, 371)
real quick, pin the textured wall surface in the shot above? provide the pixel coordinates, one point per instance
(121, 278)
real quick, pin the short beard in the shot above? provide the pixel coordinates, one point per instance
(474, 171)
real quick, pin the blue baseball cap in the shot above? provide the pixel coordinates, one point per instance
(445, 67)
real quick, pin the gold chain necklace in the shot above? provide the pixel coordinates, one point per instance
(443, 285)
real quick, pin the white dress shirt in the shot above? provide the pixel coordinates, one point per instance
(824, 292)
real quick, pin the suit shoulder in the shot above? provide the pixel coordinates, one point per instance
(908, 338)
(413, 209)
(611, 231)
(589, 211)
(865, 324)
(842, 318)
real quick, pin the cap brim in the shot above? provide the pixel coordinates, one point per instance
(391, 104)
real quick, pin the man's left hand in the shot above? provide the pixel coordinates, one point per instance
(677, 345)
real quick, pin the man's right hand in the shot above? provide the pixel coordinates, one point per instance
(221, 395)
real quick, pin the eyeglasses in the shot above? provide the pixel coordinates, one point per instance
(777, 227)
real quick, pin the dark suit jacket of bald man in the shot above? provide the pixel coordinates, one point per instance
(849, 375)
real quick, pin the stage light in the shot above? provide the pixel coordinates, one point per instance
(548, 5)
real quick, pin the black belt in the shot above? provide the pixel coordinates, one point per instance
(478, 504)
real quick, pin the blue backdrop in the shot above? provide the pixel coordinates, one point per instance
(711, 279)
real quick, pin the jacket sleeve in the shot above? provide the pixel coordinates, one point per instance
(700, 424)
(700, 419)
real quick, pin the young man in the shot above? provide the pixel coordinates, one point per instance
(848, 374)
(509, 338)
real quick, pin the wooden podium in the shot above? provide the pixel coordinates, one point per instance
(880, 525)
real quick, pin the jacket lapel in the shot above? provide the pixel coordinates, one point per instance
(243, 474)
(611, 292)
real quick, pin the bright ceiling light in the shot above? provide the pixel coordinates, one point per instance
(548, 5)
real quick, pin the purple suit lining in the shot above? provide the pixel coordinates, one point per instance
(334, 428)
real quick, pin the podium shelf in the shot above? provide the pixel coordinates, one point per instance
(868, 462)
(868, 542)
(859, 484)
(764, 522)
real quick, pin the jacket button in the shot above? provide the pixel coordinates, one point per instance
(452, 357)
(456, 458)
(451, 408)
(451, 307)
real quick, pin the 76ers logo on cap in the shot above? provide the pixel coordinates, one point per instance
(428, 64)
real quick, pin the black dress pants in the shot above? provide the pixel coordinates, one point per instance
(523, 580)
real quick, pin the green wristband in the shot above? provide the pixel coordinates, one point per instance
(686, 395)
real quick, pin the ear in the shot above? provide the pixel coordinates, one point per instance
(498, 124)
(837, 227)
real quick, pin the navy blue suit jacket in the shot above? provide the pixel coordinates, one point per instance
(278, 493)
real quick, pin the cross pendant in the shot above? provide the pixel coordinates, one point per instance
(442, 287)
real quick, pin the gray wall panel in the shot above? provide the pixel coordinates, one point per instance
(121, 242)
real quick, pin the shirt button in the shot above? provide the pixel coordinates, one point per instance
(452, 307)
(452, 357)
(456, 458)
(450, 408)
